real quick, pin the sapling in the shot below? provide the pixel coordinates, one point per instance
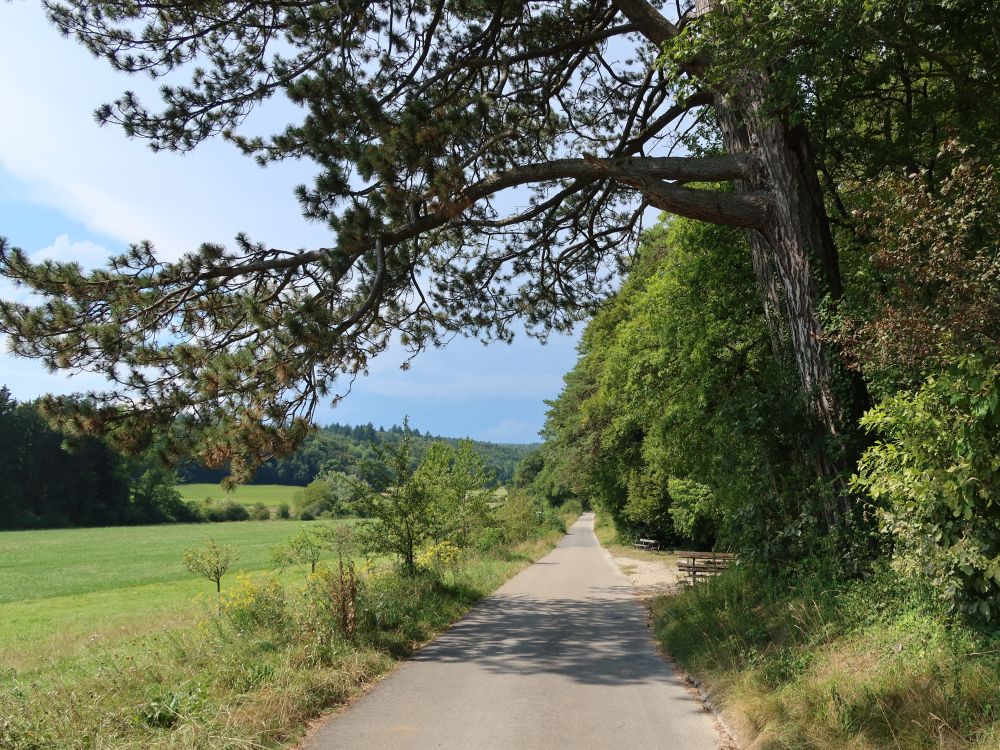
(210, 561)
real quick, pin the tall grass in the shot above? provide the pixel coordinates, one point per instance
(806, 661)
(249, 678)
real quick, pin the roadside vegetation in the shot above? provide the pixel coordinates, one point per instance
(864, 611)
(813, 660)
(264, 651)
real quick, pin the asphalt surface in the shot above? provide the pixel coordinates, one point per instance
(559, 657)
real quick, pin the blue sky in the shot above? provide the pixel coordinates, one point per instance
(72, 190)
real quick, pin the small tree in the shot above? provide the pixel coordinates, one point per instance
(396, 506)
(308, 546)
(456, 482)
(211, 562)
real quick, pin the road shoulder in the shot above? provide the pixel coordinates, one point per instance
(652, 575)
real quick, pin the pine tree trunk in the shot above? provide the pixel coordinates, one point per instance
(796, 264)
(794, 258)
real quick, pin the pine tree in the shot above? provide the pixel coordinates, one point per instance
(419, 119)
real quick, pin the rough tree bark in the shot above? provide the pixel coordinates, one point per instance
(794, 256)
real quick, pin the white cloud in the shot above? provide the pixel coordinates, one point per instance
(117, 186)
(64, 250)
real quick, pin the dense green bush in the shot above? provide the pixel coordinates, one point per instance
(488, 538)
(227, 510)
(518, 516)
(260, 512)
(936, 477)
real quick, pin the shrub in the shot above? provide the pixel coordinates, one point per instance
(284, 511)
(936, 477)
(488, 539)
(572, 508)
(438, 557)
(255, 603)
(518, 516)
(226, 511)
(260, 512)
(551, 520)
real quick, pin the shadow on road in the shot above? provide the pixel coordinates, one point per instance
(599, 640)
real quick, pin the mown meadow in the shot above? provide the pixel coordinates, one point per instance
(63, 588)
(271, 495)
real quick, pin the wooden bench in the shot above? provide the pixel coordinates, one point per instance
(704, 564)
(650, 545)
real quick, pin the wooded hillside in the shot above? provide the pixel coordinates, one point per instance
(344, 448)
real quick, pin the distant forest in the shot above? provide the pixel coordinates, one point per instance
(48, 479)
(343, 448)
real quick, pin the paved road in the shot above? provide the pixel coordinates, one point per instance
(559, 657)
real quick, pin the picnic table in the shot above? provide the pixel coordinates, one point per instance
(703, 564)
(650, 545)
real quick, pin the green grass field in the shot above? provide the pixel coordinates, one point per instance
(63, 588)
(270, 494)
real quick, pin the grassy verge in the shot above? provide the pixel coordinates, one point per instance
(251, 677)
(806, 661)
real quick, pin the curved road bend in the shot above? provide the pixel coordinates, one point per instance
(559, 657)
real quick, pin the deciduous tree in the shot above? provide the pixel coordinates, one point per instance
(422, 119)
(210, 561)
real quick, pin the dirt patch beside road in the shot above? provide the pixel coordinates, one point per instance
(652, 574)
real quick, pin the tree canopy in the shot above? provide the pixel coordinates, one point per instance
(477, 164)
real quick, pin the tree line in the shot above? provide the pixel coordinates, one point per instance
(682, 418)
(49, 479)
(52, 479)
(344, 448)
